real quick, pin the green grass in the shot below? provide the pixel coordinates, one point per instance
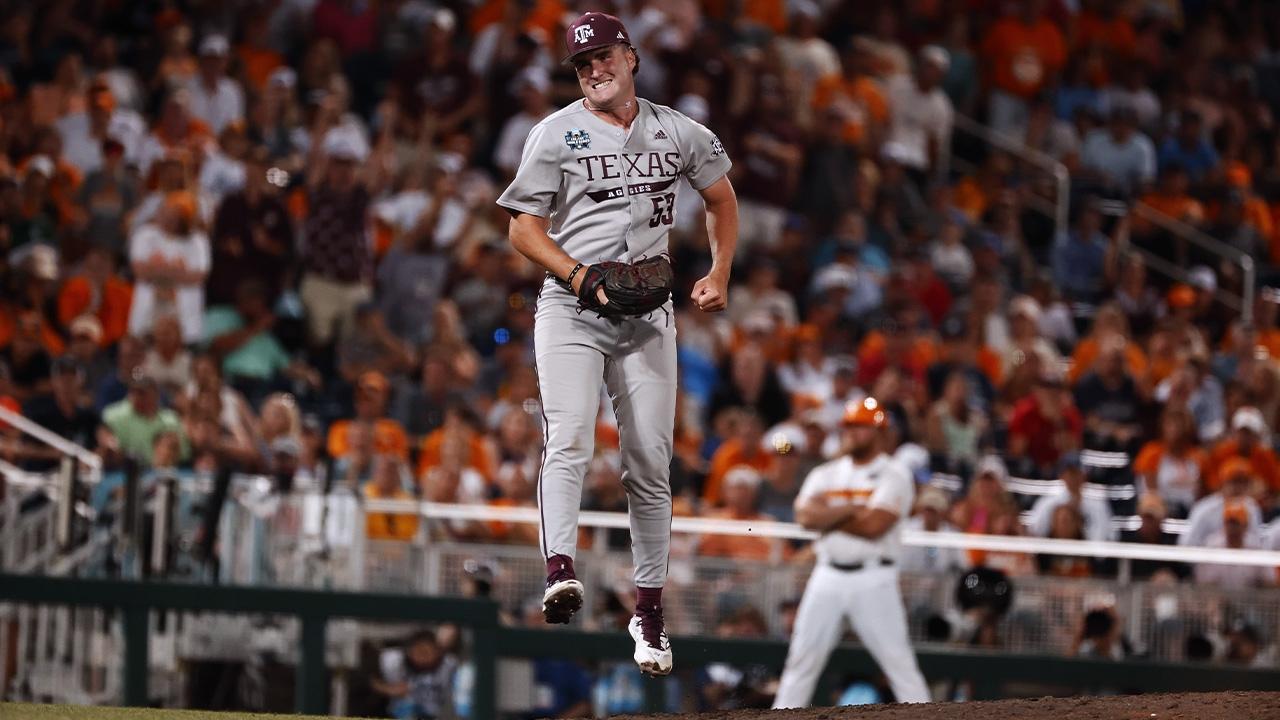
(15, 711)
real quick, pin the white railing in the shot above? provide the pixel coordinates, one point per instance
(28, 540)
(1061, 204)
(433, 562)
(1059, 211)
(73, 665)
(51, 438)
(1243, 304)
(21, 479)
(919, 538)
(791, 531)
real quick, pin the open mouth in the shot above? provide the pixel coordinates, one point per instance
(602, 84)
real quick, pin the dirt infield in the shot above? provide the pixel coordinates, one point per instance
(1191, 706)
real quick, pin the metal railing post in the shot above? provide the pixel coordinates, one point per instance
(1030, 155)
(484, 652)
(989, 670)
(66, 502)
(310, 693)
(1207, 243)
(162, 526)
(1248, 278)
(1062, 208)
(137, 664)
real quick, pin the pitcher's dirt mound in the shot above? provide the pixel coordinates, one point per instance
(1188, 706)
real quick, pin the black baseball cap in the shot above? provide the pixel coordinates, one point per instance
(592, 31)
(67, 365)
(140, 380)
(954, 327)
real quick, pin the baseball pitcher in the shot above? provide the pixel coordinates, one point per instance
(857, 502)
(592, 202)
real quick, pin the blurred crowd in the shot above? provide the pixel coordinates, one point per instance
(262, 236)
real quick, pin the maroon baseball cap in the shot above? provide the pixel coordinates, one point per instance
(594, 30)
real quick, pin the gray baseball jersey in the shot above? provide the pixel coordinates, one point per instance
(610, 193)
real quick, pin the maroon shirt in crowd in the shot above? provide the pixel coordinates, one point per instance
(337, 246)
(250, 240)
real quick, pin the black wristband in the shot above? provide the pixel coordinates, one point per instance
(574, 271)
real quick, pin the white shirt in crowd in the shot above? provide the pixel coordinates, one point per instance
(403, 210)
(918, 116)
(774, 302)
(84, 151)
(995, 331)
(883, 483)
(1056, 322)
(472, 490)
(235, 413)
(833, 410)
(1234, 577)
(218, 106)
(1205, 519)
(1270, 536)
(1096, 512)
(1129, 164)
(168, 373)
(188, 304)
(811, 59)
(430, 691)
(801, 378)
(221, 175)
(953, 262)
(1144, 103)
(1178, 479)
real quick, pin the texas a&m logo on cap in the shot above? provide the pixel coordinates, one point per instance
(594, 30)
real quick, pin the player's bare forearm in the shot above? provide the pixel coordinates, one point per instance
(869, 523)
(722, 226)
(528, 235)
(711, 293)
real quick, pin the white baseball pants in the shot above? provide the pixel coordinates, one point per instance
(872, 603)
(636, 359)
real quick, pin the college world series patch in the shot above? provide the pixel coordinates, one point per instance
(577, 139)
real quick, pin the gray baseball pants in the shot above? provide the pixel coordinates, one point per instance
(636, 359)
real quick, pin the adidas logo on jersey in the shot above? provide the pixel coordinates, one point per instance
(659, 135)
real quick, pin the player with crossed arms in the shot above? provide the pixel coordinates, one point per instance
(592, 202)
(857, 502)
